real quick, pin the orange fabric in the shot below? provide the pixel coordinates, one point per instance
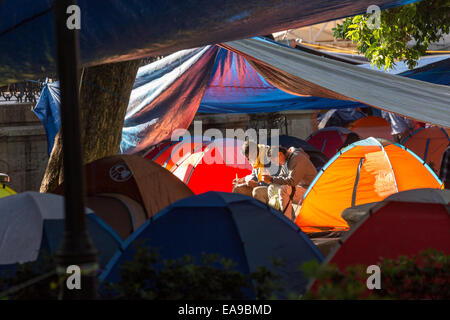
(437, 141)
(372, 126)
(382, 173)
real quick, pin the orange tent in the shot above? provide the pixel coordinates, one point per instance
(366, 171)
(372, 127)
(429, 144)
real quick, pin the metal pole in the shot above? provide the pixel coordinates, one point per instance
(76, 248)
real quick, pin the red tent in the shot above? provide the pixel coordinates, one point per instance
(404, 224)
(330, 140)
(203, 165)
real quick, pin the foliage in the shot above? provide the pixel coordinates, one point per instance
(146, 277)
(424, 21)
(214, 279)
(46, 289)
(425, 276)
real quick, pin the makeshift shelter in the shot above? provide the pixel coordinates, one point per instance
(340, 118)
(124, 30)
(366, 171)
(32, 222)
(204, 165)
(330, 140)
(234, 226)
(372, 127)
(317, 157)
(405, 223)
(429, 144)
(126, 190)
(169, 92)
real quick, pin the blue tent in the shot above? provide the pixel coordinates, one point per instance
(32, 222)
(231, 225)
(114, 30)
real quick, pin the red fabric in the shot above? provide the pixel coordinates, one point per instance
(203, 166)
(398, 228)
(328, 142)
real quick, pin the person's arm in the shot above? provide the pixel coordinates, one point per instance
(295, 174)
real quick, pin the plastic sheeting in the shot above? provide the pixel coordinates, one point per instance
(47, 110)
(167, 93)
(415, 99)
(113, 30)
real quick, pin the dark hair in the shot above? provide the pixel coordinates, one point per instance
(246, 147)
(283, 150)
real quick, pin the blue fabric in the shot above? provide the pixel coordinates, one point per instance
(231, 225)
(115, 30)
(47, 110)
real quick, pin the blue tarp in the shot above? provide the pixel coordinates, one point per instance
(167, 93)
(117, 30)
(47, 110)
(234, 226)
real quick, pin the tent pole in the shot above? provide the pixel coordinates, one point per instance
(76, 248)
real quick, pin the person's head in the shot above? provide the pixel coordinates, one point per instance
(250, 150)
(280, 157)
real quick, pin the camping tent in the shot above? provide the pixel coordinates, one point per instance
(202, 164)
(372, 126)
(32, 222)
(340, 118)
(429, 144)
(330, 140)
(234, 226)
(366, 171)
(126, 190)
(6, 191)
(403, 224)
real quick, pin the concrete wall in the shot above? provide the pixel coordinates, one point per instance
(293, 123)
(23, 146)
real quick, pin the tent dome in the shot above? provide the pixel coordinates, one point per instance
(202, 164)
(31, 222)
(126, 190)
(330, 140)
(372, 126)
(234, 226)
(429, 144)
(405, 223)
(366, 171)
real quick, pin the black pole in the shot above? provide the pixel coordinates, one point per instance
(76, 248)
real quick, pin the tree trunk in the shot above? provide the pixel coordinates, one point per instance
(104, 95)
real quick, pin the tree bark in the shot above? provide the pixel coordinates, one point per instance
(104, 95)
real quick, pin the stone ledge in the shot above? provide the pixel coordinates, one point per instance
(20, 131)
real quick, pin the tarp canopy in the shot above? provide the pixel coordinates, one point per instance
(294, 70)
(234, 226)
(113, 30)
(167, 93)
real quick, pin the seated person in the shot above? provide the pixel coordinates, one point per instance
(252, 185)
(290, 187)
